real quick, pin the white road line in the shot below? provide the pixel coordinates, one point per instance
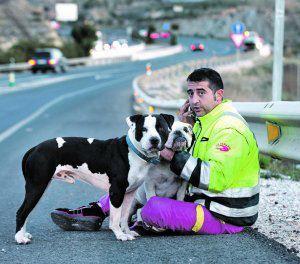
(13, 129)
(47, 81)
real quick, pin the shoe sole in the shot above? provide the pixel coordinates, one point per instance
(68, 223)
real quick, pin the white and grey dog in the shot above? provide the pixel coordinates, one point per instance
(161, 181)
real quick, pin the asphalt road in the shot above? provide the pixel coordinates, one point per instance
(95, 104)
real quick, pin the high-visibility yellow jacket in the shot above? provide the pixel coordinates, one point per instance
(223, 166)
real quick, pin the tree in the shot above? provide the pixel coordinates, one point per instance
(22, 50)
(84, 35)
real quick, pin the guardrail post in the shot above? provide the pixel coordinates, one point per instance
(11, 75)
(298, 79)
(148, 69)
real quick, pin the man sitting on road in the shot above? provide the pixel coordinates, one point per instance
(223, 169)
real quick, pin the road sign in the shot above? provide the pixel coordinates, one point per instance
(66, 12)
(237, 34)
(166, 26)
(237, 39)
(237, 28)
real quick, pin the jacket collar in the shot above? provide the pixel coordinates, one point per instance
(213, 115)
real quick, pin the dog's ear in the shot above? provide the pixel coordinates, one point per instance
(131, 120)
(169, 119)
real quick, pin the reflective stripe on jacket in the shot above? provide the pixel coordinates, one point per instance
(224, 165)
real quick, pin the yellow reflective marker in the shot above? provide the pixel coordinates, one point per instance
(151, 109)
(274, 132)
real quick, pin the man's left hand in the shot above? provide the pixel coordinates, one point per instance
(167, 154)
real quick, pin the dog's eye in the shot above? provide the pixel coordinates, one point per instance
(185, 129)
(144, 129)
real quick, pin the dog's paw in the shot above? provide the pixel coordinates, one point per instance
(28, 235)
(125, 237)
(134, 234)
(21, 238)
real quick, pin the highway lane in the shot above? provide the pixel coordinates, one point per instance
(99, 112)
(17, 106)
(212, 47)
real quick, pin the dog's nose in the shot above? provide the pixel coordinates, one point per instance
(178, 133)
(154, 141)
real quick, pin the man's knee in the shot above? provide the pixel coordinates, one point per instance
(155, 206)
(156, 202)
(152, 204)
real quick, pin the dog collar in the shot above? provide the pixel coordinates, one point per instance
(154, 160)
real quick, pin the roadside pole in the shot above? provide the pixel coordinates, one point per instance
(278, 51)
(148, 69)
(11, 75)
(238, 52)
(298, 77)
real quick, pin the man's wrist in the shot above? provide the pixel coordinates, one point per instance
(178, 161)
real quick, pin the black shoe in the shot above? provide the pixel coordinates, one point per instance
(143, 229)
(84, 218)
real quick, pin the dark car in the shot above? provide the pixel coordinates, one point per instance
(252, 41)
(48, 59)
(197, 47)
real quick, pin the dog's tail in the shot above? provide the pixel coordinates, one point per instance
(24, 160)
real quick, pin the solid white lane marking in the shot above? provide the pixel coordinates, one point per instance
(30, 85)
(13, 129)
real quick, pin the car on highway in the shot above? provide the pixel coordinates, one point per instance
(160, 35)
(48, 59)
(252, 41)
(197, 47)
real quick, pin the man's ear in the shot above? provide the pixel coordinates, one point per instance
(132, 120)
(219, 95)
(169, 119)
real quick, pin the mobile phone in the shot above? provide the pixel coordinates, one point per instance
(193, 113)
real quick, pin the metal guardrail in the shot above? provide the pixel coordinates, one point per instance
(15, 67)
(170, 79)
(276, 125)
(151, 54)
(146, 87)
(71, 62)
(133, 53)
(105, 58)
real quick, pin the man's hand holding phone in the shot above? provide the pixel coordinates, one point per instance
(186, 114)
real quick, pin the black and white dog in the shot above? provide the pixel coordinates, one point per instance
(112, 165)
(160, 181)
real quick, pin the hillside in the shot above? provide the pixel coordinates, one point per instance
(29, 18)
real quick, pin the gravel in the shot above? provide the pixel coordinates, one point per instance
(279, 213)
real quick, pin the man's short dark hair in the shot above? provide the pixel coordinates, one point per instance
(209, 75)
